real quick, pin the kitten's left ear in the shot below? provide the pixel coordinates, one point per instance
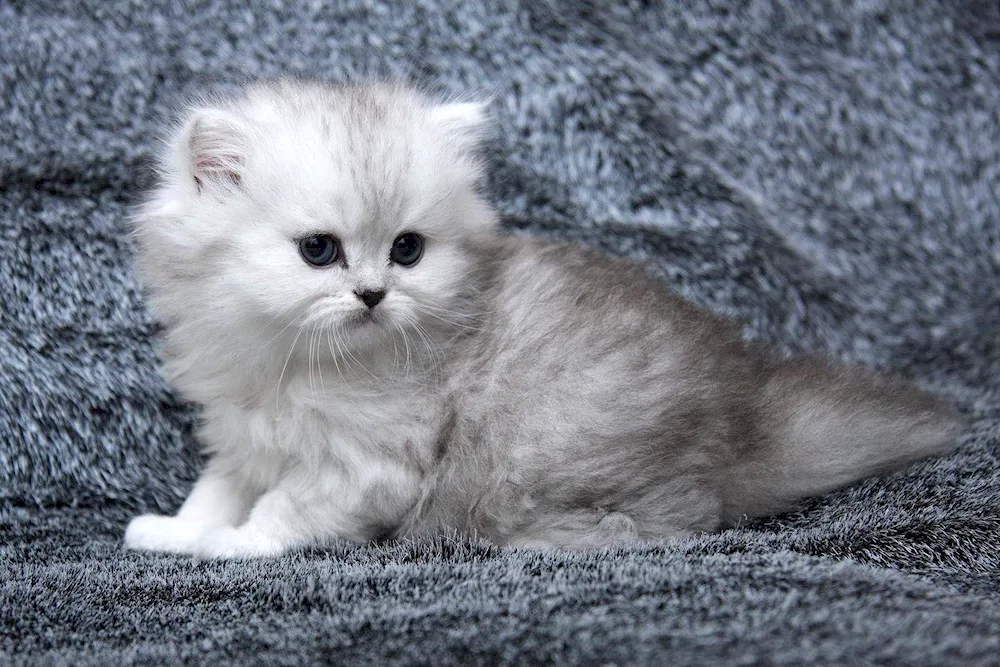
(216, 145)
(464, 120)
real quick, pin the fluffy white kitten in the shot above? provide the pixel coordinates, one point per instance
(375, 360)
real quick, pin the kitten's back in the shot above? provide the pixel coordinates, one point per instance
(593, 391)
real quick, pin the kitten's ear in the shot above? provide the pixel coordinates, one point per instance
(217, 149)
(466, 121)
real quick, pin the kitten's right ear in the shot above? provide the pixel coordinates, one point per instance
(464, 121)
(216, 146)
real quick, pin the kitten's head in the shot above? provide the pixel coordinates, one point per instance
(300, 205)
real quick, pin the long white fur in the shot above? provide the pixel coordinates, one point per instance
(291, 394)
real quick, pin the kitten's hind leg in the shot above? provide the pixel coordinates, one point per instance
(217, 499)
(578, 529)
(679, 508)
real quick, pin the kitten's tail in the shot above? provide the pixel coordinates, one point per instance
(825, 427)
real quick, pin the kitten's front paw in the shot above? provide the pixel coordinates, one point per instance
(151, 532)
(241, 542)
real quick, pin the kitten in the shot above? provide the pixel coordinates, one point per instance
(375, 360)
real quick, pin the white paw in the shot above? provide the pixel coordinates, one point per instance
(244, 542)
(151, 532)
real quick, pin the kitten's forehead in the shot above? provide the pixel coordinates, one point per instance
(365, 125)
(366, 154)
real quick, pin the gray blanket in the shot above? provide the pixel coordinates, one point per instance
(831, 177)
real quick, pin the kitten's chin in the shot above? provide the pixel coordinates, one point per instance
(365, 328)
(367, 320)
(355, 332)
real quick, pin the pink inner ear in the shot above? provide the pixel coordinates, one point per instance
(214, 166)
(217, 153)
(205, 162)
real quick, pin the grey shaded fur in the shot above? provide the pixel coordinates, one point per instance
(590, 406)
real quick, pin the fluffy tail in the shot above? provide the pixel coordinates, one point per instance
(824, 427)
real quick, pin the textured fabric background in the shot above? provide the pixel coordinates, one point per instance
(828, 176)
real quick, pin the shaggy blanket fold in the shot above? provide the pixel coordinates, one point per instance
(828, 173)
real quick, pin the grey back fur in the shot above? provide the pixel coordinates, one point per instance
(592, 406)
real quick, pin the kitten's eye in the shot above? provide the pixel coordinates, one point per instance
(319, 250)
(407, 249)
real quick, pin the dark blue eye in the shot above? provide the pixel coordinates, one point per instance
(407, 249)
(320, 249)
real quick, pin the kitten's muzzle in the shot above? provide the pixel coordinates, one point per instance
(371, 298)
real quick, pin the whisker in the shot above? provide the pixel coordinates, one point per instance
(336, 362)
(319, 364)
(312, 340)
(291, 349)
(395, 349)
(340, 353)
(348, 357)
(435, 354)
(467, 327)
(406, 343)
(275, 337)
(457, 313)
(355, 359)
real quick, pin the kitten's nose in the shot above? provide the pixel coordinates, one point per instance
(370, 298)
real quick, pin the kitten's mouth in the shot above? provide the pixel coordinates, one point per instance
(365, 318)
(360, 319)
